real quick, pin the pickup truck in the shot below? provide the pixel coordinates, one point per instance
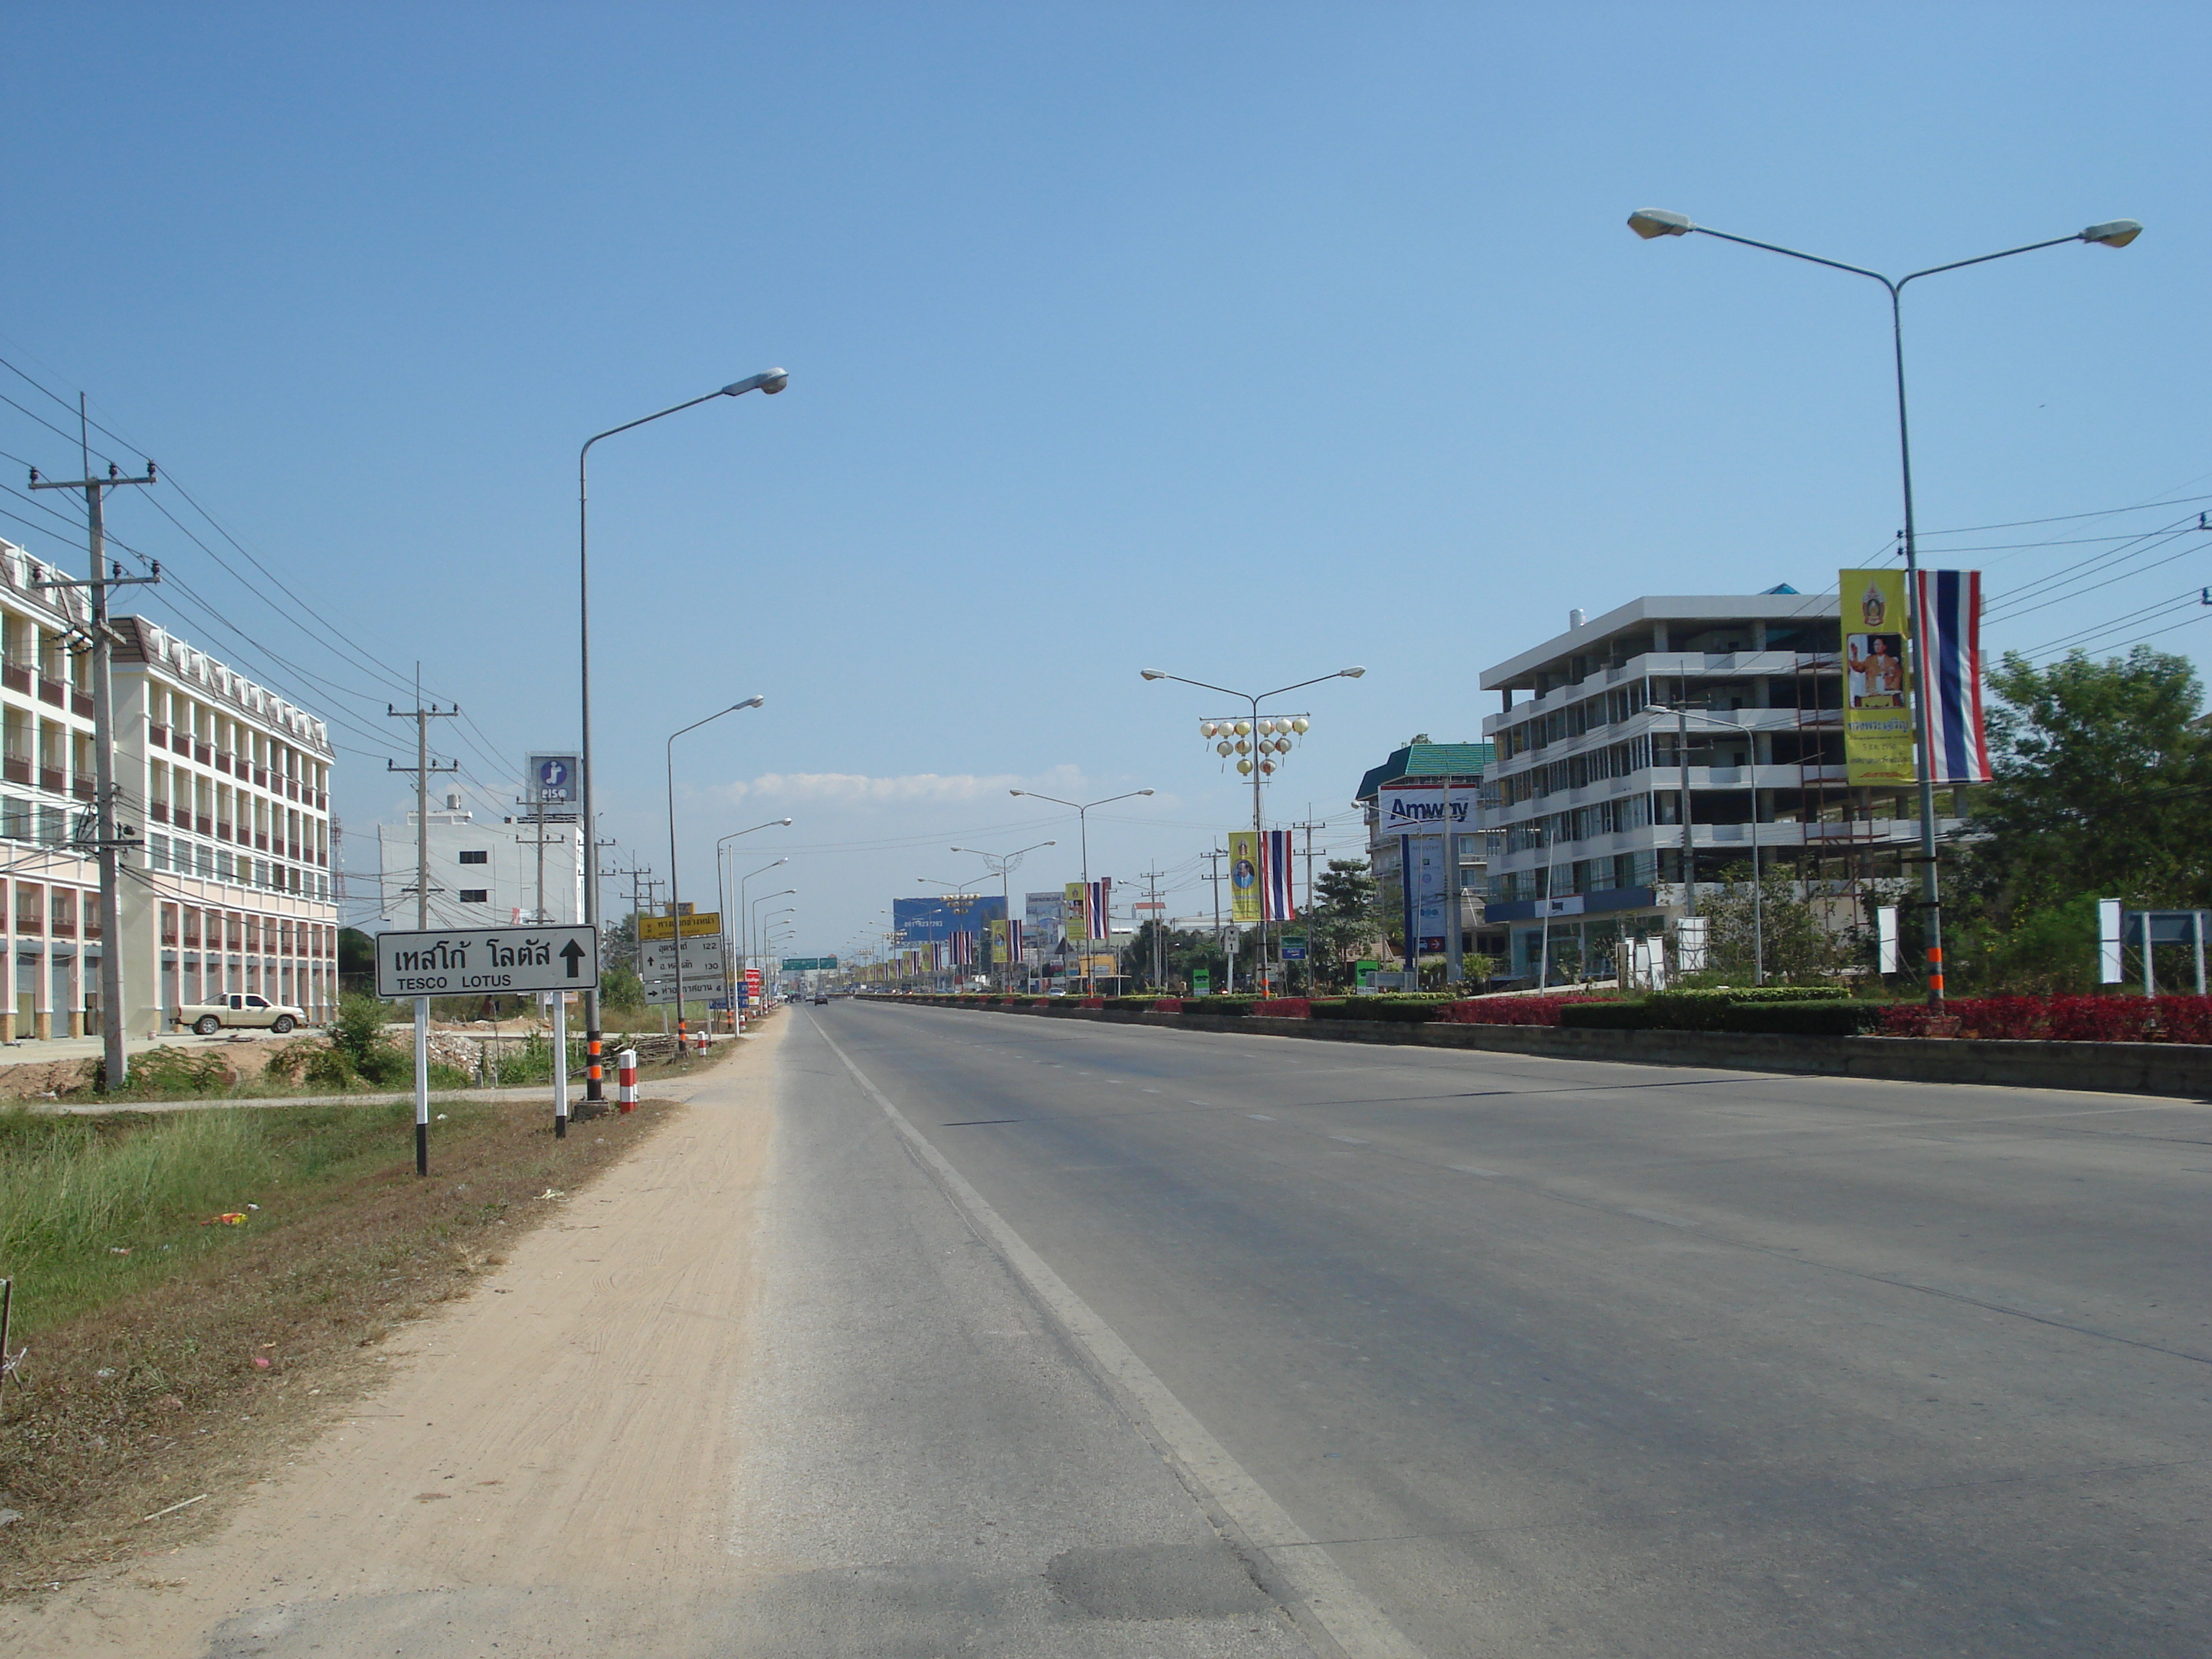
(249, 1010)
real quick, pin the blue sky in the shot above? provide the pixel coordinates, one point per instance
(1243, 342)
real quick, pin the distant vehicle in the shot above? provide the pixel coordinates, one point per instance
(821, 999)
(248, 1011)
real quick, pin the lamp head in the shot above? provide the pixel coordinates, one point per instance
(786, 822)
(753, 701)
(1350, 674)
(1151, 673)
(2113, 233)
(1018, 791)
(1144, 791)
(771, 380)
(1648, 222)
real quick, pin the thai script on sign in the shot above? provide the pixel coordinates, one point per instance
(524, 953)
(443, 957)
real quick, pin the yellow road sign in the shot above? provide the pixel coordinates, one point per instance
(654, 927)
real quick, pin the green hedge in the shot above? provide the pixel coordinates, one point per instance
(1141, 1005)
(1218, 1005)
(1415, 1007)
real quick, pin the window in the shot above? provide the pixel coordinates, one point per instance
(476, 856)
(476, 896)
(251, 1002)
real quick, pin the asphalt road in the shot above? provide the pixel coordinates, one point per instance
(1546, 1357)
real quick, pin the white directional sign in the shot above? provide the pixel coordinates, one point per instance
(703, 960)
(475, 961)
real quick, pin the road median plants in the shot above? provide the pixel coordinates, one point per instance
(194, 1286)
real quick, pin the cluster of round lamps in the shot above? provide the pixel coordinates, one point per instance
(1245, 738)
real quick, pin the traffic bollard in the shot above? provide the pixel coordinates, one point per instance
(626, 1079)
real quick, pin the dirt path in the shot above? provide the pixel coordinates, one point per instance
(547, 1472)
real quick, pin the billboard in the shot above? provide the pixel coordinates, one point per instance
(1404, 806)
(555, 780)
(938, 917)
(1075, 913)
(1042, 913)
(1877, 681)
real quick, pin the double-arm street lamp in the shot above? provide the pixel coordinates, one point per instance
(1650, 222)
(675, 908)
(722, 897)
(769, 381)
(759, 944)
(1260, 771)
(1001, 865)
(1083, 830)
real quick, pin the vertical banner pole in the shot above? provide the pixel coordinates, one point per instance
(421, 1086)
(560, 1066)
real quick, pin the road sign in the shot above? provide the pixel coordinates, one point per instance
(1294, 947)
(555, 780)
(469, 962)
(809, 964)
(653, 927)
(703, 960)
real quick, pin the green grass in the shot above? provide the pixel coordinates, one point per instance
(96, 1208)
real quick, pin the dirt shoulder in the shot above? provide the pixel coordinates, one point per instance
(458, 1397)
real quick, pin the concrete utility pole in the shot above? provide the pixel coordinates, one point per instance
(1151, 879)
(1213, 858)
(423, 770)
(1311, 899)
(108, 842)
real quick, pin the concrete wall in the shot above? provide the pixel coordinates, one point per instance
(2138, 1069)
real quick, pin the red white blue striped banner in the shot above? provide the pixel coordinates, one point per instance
(1281, 900)
(1947, 620)
(1102, 898)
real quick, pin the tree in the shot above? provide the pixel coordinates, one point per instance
(2101, 779)
(1791, 936)
(1344, 920)
(1181, 950)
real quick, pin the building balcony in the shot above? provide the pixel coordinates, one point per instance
(52, 779)
(158, 810)
(17, 770)
(53, 691)
(82, 787)
(181, 743)
(15, 677)
(81, 703)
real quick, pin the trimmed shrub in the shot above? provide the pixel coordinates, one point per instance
(1384, 1008)
(1515, 1011)
(1283, 1007)
(1218, 1005)
(1837, 1017)
(1608, 1017)
(2065, 1018)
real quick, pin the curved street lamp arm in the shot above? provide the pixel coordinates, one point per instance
(1300, 686)
(673, 409)
(1960, 265)
(1816, 260)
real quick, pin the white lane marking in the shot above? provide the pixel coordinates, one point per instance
(1349, 1140)
(1198, 1103)
(1471, 1169)
(1261, 1117)
(1152, 1092)
(1322, 1588)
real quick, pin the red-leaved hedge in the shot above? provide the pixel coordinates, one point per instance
(2066, 1018)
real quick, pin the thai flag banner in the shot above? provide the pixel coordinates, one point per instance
(1102, 897)
(963, 949)
(1014, 940)
(1946, 624)
(1275, 860)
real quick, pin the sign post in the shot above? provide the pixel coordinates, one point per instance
(421, 1086)
(475, 961)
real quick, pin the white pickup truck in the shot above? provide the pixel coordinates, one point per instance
(247, 1010)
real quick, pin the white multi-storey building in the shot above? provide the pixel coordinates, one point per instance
(226, 785)
(483, 874)
(233, 892)
(1591, 784)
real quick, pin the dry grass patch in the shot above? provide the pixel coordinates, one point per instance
(172, 1354)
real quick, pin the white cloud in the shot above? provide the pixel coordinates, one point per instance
(858, 789)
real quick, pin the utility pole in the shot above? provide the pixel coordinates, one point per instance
(1214, 859)
(1311, 900)
(1152, 879)
(423, 770)
(105, 836)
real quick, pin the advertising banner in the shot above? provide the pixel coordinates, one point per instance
(1243, 876)
(1076, 914)
(1404, 806)
(1877, 685)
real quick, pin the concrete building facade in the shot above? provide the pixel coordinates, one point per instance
(484, 872)
(1590, 785)
(225, 785)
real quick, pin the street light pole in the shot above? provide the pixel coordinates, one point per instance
(769, 381)
(675, 897)
(1648, 222)
(1002, 865)
(1083, 828)
(722, 902)
(1260, 771)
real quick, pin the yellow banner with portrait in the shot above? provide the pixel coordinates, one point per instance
(1877, 683)
(1076, 922)
(1244, 876)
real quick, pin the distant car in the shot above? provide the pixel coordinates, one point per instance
(248, 1011)
(821, 999)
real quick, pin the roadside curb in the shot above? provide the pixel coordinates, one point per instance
(2183, 1070)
